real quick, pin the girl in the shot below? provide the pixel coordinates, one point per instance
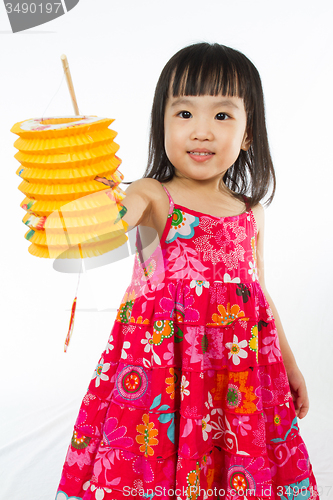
(197, 393)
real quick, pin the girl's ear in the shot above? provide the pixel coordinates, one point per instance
(247, 140)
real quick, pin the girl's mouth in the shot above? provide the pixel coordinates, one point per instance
(200, 155)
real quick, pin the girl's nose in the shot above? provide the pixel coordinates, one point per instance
(202, 131)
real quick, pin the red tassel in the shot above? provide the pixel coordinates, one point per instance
(71, 325)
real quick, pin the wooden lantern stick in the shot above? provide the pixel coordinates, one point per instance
(69, 83)
(76, 111)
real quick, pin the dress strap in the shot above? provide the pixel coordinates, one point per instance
(171, 202)
(247, 202)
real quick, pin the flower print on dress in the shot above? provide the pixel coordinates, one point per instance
(192, 478)
(282, 387)
(213, 345)
(194, 336)
(277, 420)
(210, 405)
(228, 316)
(138, 484)
(244, 292)
(145, 288)
(240, 479)
(233, 390)
(173, 382)
(99, 491)
(271, 347)
(303, 463)
(168, 470)
(147, 436)
(226, 248)
(184, 262)
(141, 466)
(104, 460)
(181, 300)
(182, 225)
(242, 426)
(63, 496)
(253, 271)
(169, 353)
(205, 462)
(206, 427)
(183, 385)
(162, 329)
(227, 279)
(198, 286)
(236, 350)
(233, 397)
(225, 435)
(253, 342)
(88, 398)
(109, 346)
(99, 373)
(126, 345)
(132, 384)
(248, 475)
(260, 433)
(82, 426)
(115, 436)
(81, 450)
(149, 270)
(217, 293)
(125, 310)
(149, 347)
(149, 281)
(254, 250)
(299, 490)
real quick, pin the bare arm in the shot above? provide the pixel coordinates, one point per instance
(137, 204)
(295, 377)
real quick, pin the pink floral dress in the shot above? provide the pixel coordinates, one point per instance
(190, 399)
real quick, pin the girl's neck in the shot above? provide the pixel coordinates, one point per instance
(208, 189)
(205, 198)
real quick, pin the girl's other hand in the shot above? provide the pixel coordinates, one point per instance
(298, 391)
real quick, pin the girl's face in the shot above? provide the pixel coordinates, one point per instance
(203, 135)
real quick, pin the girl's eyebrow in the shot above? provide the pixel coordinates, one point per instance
(224, 102)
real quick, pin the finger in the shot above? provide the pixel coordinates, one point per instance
(302, 400)
(303, 411)
(104, 180)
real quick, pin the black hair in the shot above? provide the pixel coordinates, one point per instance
(214, 69)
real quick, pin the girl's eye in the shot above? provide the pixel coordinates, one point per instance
(185, 114)
(222, 116)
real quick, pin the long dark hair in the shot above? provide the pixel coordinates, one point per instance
(214, 69)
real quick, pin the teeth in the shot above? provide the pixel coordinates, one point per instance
(200, 154)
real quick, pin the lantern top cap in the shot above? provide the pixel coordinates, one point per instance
(58, 122)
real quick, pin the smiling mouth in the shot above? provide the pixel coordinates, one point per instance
(196, 153)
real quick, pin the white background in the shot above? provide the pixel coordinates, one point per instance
(116, 51)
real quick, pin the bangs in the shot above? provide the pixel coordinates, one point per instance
(212, 71)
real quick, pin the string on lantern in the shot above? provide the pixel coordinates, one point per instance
(71, 182)
(62, 79)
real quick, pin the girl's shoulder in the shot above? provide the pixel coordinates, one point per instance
(145, 185)
(146, 203)
(150, 189)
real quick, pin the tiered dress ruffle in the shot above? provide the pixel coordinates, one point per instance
(190, 399)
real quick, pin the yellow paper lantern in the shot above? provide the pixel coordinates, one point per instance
(69, 214)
